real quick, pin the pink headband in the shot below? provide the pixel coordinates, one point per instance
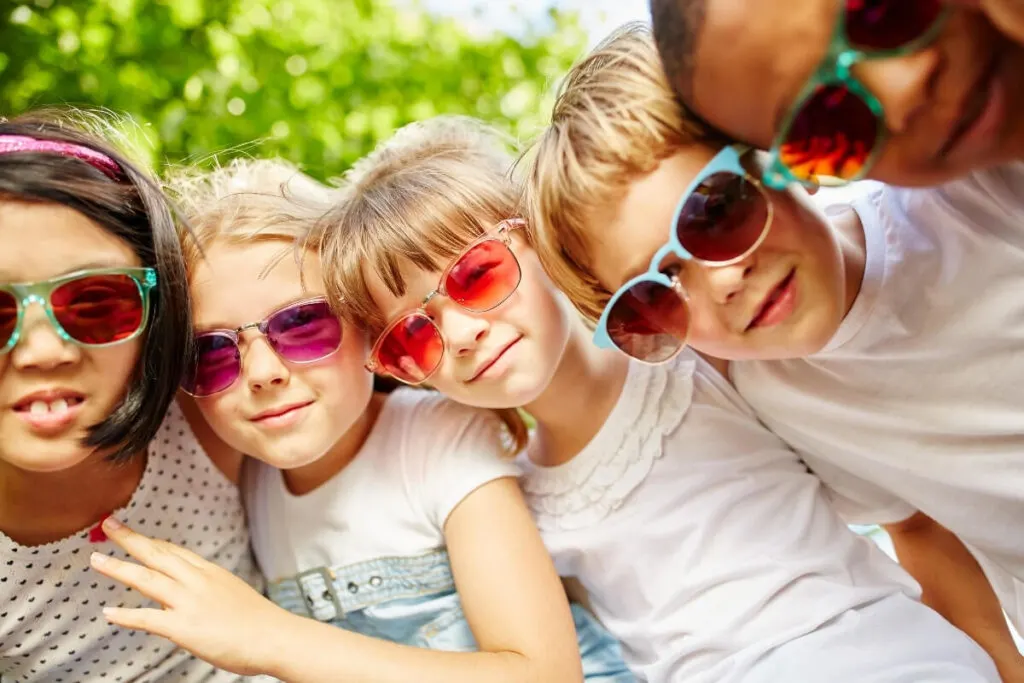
(10, 144)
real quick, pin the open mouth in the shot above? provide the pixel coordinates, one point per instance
(771, 310)
(43, 406)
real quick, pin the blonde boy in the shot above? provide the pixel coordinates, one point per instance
(610, 179)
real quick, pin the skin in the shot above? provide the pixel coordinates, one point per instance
(329, 431)
(765, 51)
(554, 372)
(827, 262)
(513, 602)
(37, 469)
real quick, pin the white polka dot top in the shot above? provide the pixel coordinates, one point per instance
(52, 629)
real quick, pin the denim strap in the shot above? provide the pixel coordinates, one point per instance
(328, 593)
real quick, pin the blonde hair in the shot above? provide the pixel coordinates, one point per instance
(244, 201)
(614, 120)
(420, 197)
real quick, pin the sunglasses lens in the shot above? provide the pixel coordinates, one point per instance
(889, 24)
(304, 332)
(8, 317)
(831, 136)
(649, 322)
(723, 218)
(98, 309)
(411, 350)
(217, 365)
(484, 276)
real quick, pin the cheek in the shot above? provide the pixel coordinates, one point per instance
(114, 367)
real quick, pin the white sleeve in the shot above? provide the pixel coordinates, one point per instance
(859, 501)
(462, 449)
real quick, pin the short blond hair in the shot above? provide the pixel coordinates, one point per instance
(420, 197)
(246, 200)
(614, 120)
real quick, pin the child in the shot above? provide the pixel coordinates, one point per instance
(703, 543)
(94, 329)
(395, 517)
(898, 383)
(928, 89)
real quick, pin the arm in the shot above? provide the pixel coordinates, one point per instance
(954, 586)
(511, 596)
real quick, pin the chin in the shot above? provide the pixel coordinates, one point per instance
(46, 458)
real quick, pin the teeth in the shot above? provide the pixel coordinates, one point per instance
(59, 405)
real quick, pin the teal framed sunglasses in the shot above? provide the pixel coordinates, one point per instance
(721, 218)
(98, 307)
(835, 129)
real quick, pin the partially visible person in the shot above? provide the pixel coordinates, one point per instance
(390, 525)
(883, 343)
(910, 92)
(704, 544)
(94, 333)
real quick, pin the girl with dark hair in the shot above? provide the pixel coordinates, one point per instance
(94, 333)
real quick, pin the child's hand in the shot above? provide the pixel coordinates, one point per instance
(206, 609)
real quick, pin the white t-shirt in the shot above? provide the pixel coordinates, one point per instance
(917, 403)
(424, 455)
(52, 628)
(708, 549)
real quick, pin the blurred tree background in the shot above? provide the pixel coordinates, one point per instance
(316, 81)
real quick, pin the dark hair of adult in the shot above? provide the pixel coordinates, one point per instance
(133, 208)
(677, 28)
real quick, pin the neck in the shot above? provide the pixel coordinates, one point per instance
(853, 250)
(582, 393)
(43, 507)
(307, 478)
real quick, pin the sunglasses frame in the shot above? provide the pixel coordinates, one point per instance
(728, 161)
(501, 232)
(261, 326)
(836, 68)
(27, 293)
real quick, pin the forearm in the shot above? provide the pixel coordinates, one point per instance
(954, 585)
(309, 651)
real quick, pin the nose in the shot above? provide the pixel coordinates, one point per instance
(463, 329)
(724, 283)
(902, 84)
(40, 346)
(263, 368)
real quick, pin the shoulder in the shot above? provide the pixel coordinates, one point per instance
(437, 420)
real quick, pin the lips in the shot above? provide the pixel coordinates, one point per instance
(776, 305)
(55, 400)
(278, 411)
(494, 359)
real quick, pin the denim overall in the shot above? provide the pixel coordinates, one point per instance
(412, 601)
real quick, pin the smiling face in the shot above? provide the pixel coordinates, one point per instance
(285, 414)
(52, 390)
(786, 299)
(948, 107)
(502, 358)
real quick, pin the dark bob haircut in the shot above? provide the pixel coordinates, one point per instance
(133, 208)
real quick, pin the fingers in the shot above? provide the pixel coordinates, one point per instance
(153, 584)
(153, 621)
(167, 558)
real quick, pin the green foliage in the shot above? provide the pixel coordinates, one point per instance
(316, 81)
